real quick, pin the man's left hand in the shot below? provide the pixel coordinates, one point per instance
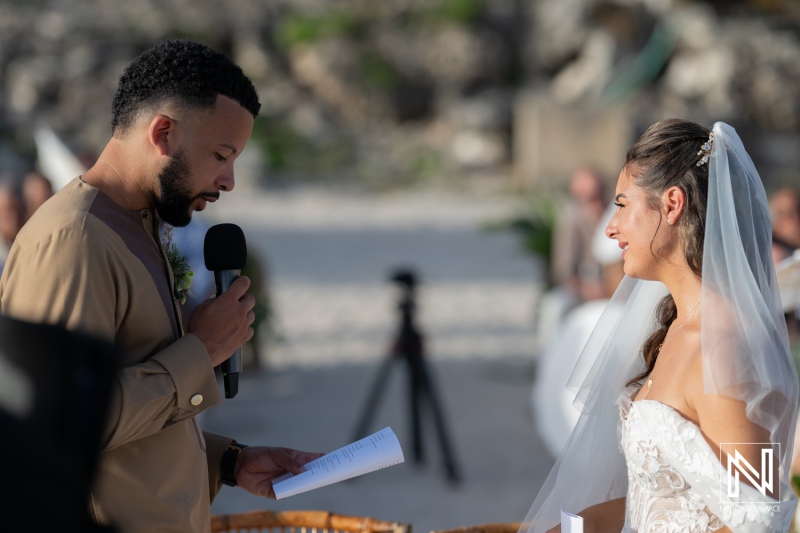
(257, 466)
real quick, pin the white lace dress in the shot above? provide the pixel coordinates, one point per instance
(674, 478)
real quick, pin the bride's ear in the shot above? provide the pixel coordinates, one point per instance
(674, 203)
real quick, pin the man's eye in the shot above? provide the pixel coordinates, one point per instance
(220, 157)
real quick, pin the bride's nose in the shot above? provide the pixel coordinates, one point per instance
(611, 229)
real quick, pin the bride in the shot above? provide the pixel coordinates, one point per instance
(693, 381)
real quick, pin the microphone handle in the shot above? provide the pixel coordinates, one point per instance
(231, 367)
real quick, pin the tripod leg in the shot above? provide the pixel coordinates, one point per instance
(415, 397)
(373, 398)
(426, 383)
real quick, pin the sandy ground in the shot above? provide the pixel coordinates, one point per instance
(329, 256)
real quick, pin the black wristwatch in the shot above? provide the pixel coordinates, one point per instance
(227, 469)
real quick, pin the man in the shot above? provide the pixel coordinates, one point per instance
(91, 259)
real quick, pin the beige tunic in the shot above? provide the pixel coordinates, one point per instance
(87, 264)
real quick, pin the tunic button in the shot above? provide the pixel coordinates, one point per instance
(196, 400)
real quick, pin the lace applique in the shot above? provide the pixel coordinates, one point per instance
(659, 497)
(673, 474)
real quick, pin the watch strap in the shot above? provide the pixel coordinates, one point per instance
(227, 468)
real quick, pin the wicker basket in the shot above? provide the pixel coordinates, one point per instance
(500, 527)
(302, 522)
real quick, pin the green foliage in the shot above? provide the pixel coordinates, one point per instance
(462, 11)
(289, 151)
(299, 28)
(425, 164)
(377, 72)
(395, 163)
(277, 140)
(296, 27)
(181, 271)
(451, 11)
(534, 227)
(264, 312)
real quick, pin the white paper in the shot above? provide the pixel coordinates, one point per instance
(377, 451)
(571, 523)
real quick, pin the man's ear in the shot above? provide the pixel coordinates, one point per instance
(162, 134)
(674, 204)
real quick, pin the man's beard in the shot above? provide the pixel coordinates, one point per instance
(174, 202)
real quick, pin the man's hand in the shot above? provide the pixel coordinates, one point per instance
(223, 323)
(257, 466)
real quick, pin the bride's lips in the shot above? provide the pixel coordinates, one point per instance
(624, 247)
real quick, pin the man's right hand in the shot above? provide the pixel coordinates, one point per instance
(223, 323)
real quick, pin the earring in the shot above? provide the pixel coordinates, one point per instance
(669, 221)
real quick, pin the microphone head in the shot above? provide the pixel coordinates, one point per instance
(225, 248)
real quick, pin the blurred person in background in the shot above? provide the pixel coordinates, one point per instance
(575, 271)
(574, 268)
(36, 190)
(552, 403)
(92, 259)
(784, 207)
(11, 218)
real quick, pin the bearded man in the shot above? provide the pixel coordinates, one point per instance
(91, 259)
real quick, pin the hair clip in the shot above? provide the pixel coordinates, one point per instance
(705, 150)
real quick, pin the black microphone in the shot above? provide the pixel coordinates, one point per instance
(225, 253)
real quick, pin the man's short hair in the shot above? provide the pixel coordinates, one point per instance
(184, 72)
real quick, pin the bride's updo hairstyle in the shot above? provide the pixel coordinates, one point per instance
(669, 154)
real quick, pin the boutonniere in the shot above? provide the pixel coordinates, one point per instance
(181, 271)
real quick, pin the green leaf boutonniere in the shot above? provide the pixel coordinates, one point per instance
(181, 271)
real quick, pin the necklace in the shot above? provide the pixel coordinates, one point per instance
(666, 337)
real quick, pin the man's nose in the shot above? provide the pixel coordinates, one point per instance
(226, 182)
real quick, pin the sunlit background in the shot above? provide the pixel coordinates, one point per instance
(437, 135)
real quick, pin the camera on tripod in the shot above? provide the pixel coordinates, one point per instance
(406, 279)
(408, 347)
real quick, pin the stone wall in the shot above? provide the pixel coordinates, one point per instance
(404, 91)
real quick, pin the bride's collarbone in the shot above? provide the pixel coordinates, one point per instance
(672, 382)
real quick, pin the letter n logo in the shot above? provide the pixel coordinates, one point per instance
(760, 475)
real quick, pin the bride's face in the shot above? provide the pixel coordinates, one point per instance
(635, 225)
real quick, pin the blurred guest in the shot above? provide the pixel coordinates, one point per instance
(780, 250)
(11, 219)
(576, 273)
(784, 208)
(36, 190)
(552, 406)
(574, 268)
